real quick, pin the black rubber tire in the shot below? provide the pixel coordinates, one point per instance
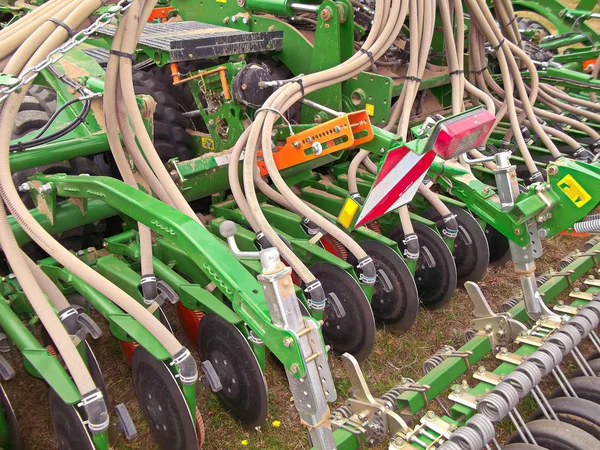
(170, 136)
(523, 447)
(558, 436)
(471, 251)
(594, 365)
(594, 355)
(587, 388)
(437, 284)
(526, 23)
(579, 412)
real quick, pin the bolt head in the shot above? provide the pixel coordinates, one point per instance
(294, 368)
(287, 342)
(317, 148)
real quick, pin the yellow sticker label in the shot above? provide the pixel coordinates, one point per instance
(370, 109)
(221, 1)
(576, 193)
(348, 212)
(207, 143)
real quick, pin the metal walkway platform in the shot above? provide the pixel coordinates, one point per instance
(190, 40)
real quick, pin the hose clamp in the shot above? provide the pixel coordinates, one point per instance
(178, 359)
(92, 397)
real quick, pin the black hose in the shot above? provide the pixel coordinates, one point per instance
(87, 105)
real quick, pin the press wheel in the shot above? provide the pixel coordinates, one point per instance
(523, 447)
(585, 387)
(579, 412)
(71, 433)
(355, 332)
(162, 402)
(555, 435)
(435, 275)
(12, 431)
(471, 251)
(244, 391)
(594, 365)
(397, 309)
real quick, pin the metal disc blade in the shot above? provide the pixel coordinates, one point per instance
(435, 275)
(162, 402)
(244, 391)
(355, 332)
(14, 433)
(499, 248)
(471, 252)
(95, 371)
(71, 432)
(396, 309)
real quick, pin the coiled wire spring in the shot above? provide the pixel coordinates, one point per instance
(503, 399)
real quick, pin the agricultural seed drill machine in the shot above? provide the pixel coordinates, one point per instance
(128, 126)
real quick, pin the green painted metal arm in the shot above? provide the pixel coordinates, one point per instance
(569, 195)
(122, 325)
(209, 255)
(192, 296)
(46, 365)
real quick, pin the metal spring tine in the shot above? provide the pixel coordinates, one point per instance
(497, 444)
(540, 404)
(582, 362)
(443, 406)
(524, 425)
(595, 340)
(563, 382)
(518, 427)
(538, 391)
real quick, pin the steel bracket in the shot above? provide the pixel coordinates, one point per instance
(500, 328)
(374, 419)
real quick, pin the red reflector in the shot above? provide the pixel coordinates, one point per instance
(460, 134)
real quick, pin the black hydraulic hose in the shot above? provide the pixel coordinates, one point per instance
(37, 140)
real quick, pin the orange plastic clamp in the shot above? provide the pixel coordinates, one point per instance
(350, 130)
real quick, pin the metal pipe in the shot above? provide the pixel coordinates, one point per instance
(304, 7)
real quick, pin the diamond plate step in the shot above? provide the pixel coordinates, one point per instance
(191, 40)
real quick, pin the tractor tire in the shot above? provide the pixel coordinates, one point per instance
(171, 139)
